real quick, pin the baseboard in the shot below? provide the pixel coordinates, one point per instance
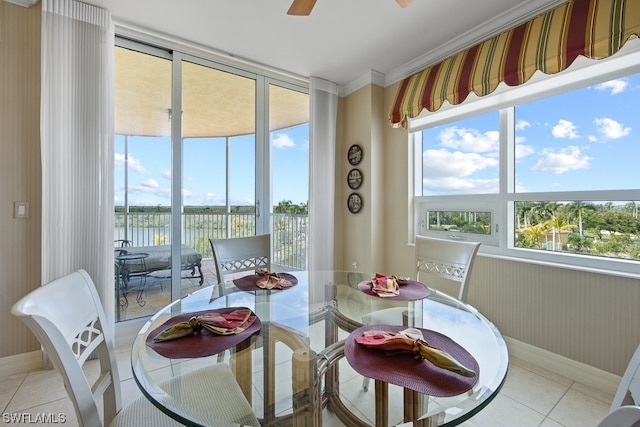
(20, 363)
(577, 371)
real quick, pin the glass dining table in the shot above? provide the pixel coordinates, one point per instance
(300, 362)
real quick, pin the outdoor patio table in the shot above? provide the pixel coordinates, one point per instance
(132, 264)
(293, 363)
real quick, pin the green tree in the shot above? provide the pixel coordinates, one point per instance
(287, 207)
(557, 224)
(577, 209)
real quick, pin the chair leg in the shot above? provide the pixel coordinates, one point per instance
(365, 384)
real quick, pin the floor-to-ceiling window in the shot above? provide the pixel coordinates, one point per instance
(290, 176)
(203, 150)
(218, 153)
(142, 162)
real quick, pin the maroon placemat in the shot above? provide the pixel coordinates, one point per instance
(404, 370)
(200, 344)
(410, 290)
(248, 283)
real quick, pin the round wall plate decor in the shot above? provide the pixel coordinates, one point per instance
(354, 202)
(354, 179)
(355, 154)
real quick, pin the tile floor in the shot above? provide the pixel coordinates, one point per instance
(531, 396)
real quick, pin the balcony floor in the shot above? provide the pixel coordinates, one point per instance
(156, 291)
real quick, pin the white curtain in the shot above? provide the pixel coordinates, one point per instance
(324, 109)
(76, 129)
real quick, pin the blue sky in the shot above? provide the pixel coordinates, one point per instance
(587, 139)
(204, 169)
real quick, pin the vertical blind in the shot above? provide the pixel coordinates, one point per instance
(549, 43)
(76, 141)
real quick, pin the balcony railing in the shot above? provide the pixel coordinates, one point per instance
(289, 238)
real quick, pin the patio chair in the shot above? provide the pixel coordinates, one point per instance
(67, 317)
(435, 258)
(241, 254)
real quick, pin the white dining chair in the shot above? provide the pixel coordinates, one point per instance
(434, 258)
(67, 317)
(241, 254)
(448, 259)
(628, 392)
(623, 416)
(625, 407)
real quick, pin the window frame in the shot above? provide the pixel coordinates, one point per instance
(582, 73)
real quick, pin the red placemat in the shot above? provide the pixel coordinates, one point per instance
(201, 344)
(410, 290)
(404, 370)
(248, 283)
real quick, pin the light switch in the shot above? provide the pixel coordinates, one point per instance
(21, 209)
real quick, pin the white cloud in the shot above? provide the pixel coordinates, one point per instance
(143, 202)
(523, 150)
(611, 129)
(452, 185)
(210, 199)
(592, 138)
(166, 173)
(614, 86)
(444, 163)
(134, 164)
(469, 140)
(564, 129)
(118, 161)
(561, 161)
(282, 140)
(150, 183)
(522, 124)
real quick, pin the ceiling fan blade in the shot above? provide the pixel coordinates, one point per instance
(301, 7)
(404, 3)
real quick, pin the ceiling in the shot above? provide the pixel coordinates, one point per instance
(341, 41)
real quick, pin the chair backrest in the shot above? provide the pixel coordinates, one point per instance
(449, 259)
(624, 416)
(241, 254)
(629, 389)
(66, 316)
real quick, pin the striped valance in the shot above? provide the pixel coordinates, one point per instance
(549, 43)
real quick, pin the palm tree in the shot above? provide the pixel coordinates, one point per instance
(524, 212)
(558, 223)
(632, 207)
(578, 208)
(535, 233)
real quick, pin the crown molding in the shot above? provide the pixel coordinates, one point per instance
(371, 77)
(503, 22)
(23, 3)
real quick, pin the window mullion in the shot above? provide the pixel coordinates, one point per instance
(505, 217)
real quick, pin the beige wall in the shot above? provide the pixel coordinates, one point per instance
(19, 167)
(359, 236)
(587, 317)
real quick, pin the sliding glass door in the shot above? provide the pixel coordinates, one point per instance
(142, 165)
(196, 145)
